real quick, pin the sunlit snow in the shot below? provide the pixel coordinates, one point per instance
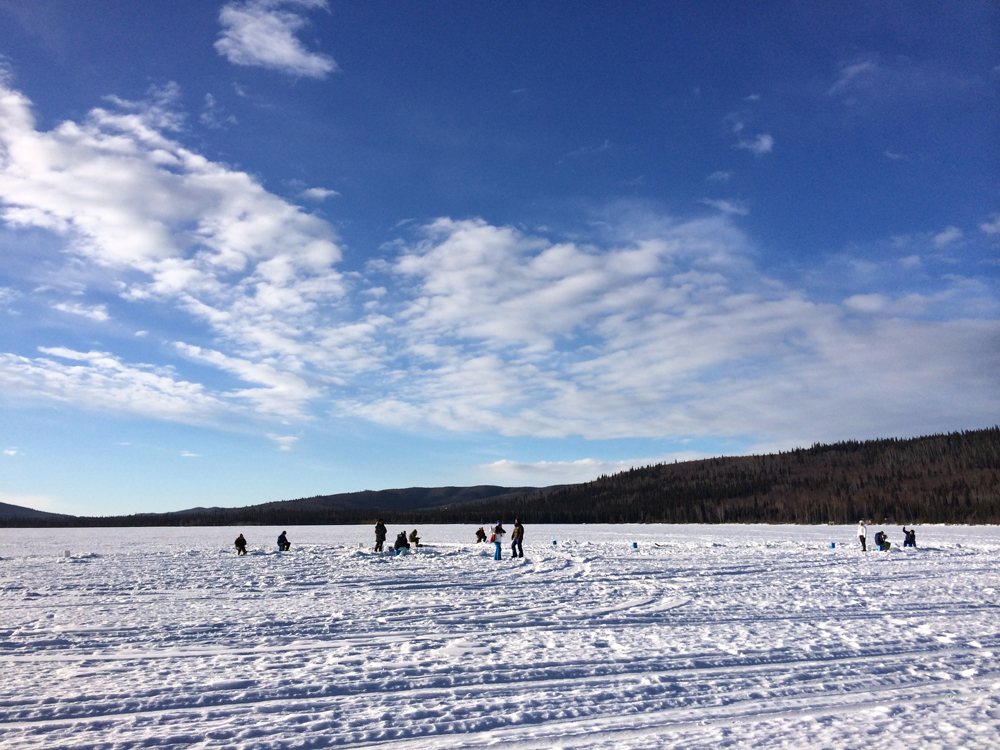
(696, 637)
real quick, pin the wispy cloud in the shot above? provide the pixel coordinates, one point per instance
(99, 380)
(285, 442)
(590, 150)
(738, 208)
(262, 33)
(98, 313)
(671, 335)
(12, 451)
(720, 176)
(759, 145)
(948, 236)
(567, 472)
(213, 116)
(866, 83)
(319, 194)
(671, 330)
(989, 227)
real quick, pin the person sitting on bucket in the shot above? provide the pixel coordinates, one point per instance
(480, 535)
(414, 539)
(283, 544)
(909, 537)
(401, 542)
(880, 540)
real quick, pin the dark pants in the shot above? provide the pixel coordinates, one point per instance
(515, 548)
(863, 547)
(378, 545)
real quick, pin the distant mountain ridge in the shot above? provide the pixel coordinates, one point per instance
(16, 511)
(952, 478)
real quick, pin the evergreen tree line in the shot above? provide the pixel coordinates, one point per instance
(952, 478)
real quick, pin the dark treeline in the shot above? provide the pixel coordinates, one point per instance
(953, 478)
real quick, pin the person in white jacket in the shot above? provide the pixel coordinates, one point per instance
(862, 533)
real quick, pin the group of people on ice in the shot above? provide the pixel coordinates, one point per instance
(881, 541)
(496, 537)
(283, 544)
(402, 541)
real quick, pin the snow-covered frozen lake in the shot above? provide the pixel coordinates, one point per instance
(701, 637)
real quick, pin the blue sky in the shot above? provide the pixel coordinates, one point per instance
(261, 250)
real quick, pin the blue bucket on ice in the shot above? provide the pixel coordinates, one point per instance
(832, 545)
(553, 542)
(635, 545)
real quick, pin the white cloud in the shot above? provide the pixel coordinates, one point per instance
(262, 33)
(285, 442)
(948, 236)
(94, 312)
(571, 472)
(171, 227)
(762, 144)
(284, 394)
(101, 381)
(867, 303)
(213, 116)
(10, 451)
(677, 334)
(991, 227)
(673, 330)
(189, 454)
(738, 208)
(720, 176)
(319, 194)
(851, 73)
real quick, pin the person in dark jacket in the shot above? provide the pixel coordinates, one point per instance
(380, 533)
(241, 545)
(880, 540)
(401, 542)
(480, 535)
(909, 537)
(283, 544)
(516, 537)
(414, 539)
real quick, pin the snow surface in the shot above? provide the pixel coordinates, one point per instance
(702, 636)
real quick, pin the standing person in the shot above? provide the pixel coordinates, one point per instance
(862, 533)
(241, 545)
(380, 533)
(283, 544)
(497, 539)
(516, 537)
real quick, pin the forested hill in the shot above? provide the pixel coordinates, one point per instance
(952, 478)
